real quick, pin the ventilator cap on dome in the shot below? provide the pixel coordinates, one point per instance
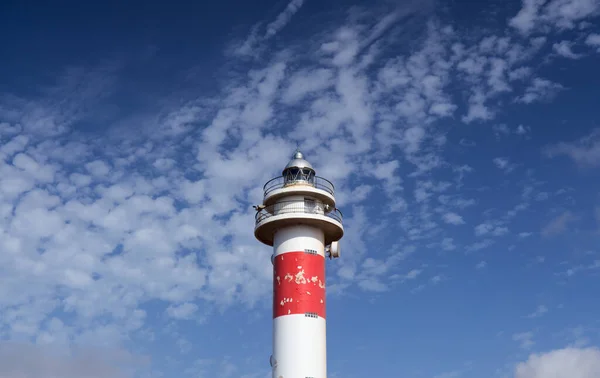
(299, 162)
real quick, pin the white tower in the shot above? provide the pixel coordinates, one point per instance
(299, 219)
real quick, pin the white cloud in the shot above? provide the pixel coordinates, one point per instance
(540, 90)
(447, 244)
(559, 224)
(503, 164)
(453, 218)
(480, 245)
(520, 73)
(584, 152)
(490, 229)
(283, 18)
(98, 168)
(522, 130)
(413, 274)
(564, 49)
(477, 108)
(253, 45)
(183, 311)
(562, 363)
(553, 14)
(539, 311)
(525, 339)
(306, 82)
(593, 40)
(526, 19)
(501, 129)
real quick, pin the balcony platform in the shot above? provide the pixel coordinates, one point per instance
(320, 189)
(290, 213)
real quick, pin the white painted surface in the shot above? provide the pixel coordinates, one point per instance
(299, 342)
(298, 204)
(289, 191)
(298, 238)
(299, 347)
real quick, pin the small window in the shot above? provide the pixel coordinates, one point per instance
(310, 205)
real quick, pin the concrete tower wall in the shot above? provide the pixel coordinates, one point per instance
(299, 326)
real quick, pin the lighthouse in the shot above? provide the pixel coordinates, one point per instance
(299, 219)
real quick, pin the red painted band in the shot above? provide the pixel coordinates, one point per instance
(298, 284)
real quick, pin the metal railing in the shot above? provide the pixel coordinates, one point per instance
(296, 207)
(280, 182)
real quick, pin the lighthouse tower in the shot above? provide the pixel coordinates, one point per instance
(299, 219)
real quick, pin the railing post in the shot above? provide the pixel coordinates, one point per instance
(297, 206)
(318, 182)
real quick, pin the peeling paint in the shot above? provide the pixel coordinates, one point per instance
(300, 277)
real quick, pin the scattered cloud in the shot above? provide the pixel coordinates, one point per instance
(539, 311)
(283, 18)
(525, 339)
(585, 152)
(593, 40)
(559, 224)
(564, 49)
(562, 363)
(540, 90)
(453, 218)
(253, 45)
(504, 164)
(522, 130)
(144, 223)
(553, 14)
(490, 229)
(183, 311)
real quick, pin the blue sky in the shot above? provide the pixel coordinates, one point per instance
(463, 140)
